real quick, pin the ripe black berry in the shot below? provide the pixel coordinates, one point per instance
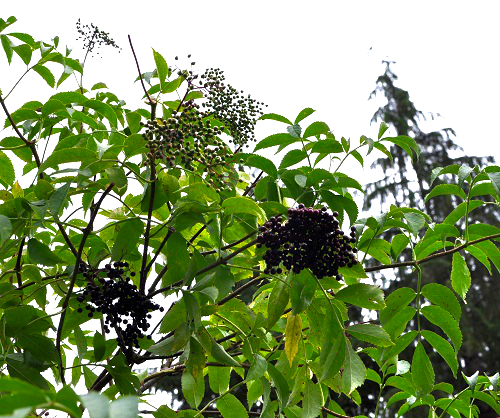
(310, 239)
(124, 308)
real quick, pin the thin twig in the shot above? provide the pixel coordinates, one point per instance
(333, 413)
(240, 289)
(249, 188)
(151, 101)
(144, 272)
(215, 264)
(414, 263)
(30, 144)
(171, 230)
(66, 239)
(87, 231)
(18, 264)
(226, 247)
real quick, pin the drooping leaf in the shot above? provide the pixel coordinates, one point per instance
(192, 390)
(68, 156)
(438, 316)
(257, 369)
(58, 199)
(127, 239)
(279, 297)
(445, 189)
(444, 349)
(354, 370)
(333, 353)
(370, 333)
(161, 67)
(99, 346)
(327, 146)
(302, 291)
(22, 371)
(422, 371)
(218, 378)
(442, 296)
(243, 204)
(340, 203)
(460, 275)
(41, 253)
(312, 402)
(362, 295)
(7, 174)
(5, 229)
(124, 407)
(293, 157)
(280, 383)
(230, 407)
(96, 404)
(46, 74)
(266, 165)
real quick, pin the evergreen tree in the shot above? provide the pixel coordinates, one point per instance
(406, 182)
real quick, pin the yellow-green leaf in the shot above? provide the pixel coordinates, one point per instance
(293, 334)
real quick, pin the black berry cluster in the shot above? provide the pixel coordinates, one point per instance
(188, 138)
(124, 308)
(93, 37)
(311, 239)
(237, 111)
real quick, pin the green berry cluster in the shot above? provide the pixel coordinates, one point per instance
(188, 139)
(238, 112)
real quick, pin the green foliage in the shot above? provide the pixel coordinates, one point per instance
(288, 339)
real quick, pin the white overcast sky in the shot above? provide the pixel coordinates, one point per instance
(290, 54)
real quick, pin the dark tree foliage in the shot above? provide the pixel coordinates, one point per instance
(406, 180)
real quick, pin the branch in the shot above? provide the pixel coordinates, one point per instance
(240, 289)
(30, 144)
(333, 413)
(215, 264)
(226, 247)
(199, 232)
(171, 230)
(151, 101)
(144, 273)
(177, 368)
(86, 232)
(225, 259)
(66, 239)
(249, 188)
(149, 356)
(432, 256)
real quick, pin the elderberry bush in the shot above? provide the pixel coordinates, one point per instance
(311, 238)
(124, 308)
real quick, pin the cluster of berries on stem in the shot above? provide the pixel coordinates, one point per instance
(188, 138)
(124, 308)
(311, 238)
(92, 36)
(238, 112)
